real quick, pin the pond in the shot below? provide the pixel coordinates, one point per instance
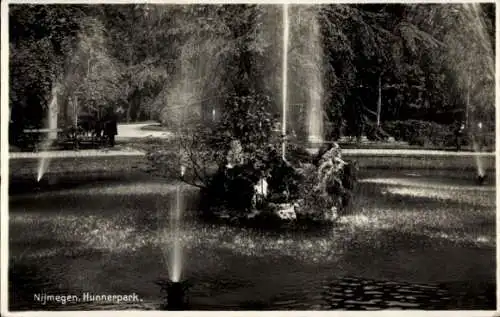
(414, 239)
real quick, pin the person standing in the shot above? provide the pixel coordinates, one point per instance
(459, 133)
(111, 127)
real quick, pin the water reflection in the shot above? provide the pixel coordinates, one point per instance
(86, 239)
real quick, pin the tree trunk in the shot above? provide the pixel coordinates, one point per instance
(467, 103)
(379, 100)
(52, 111)
(129, 110)
(75, 110)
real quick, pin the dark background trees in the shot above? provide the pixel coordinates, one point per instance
(380, 62)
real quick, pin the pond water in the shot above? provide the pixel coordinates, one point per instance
(413, 240)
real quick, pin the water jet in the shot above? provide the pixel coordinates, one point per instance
(42, 168)
(51, 123)
(175, 265)
(315, 83)
(479, 162)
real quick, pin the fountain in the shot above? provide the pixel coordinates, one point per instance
(315, 84)
(473, 11)
(42, 168)
(51, 123)
(176, 294)
(185, 99)
(174, 288)
(175, 264)
(285, 78)
(481, 173)
(471, 58)
(479, 29)
(303, 74)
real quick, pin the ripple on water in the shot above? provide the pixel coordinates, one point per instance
(224, 249)
(135, 188)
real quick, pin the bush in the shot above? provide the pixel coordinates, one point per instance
(231, 190)
(245, 121)
(417, 132)
(246, 132)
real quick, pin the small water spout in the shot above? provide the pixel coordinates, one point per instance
(481, 173)
(42, 168)
(176, 252)
(50, 123)
(44, 161)
(477, 149)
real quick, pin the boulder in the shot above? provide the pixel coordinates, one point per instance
(332, 214)
(329, 173)
(235, 155)
(260, 192)
(286, 212)
(326, 186)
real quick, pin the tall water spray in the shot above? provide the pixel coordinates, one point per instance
(314, 84)
(175, 260)
(285, 78)
(485, 65)
(51, 123)
(198, 77)
(305, 74)
(195, 76)
(470, 57)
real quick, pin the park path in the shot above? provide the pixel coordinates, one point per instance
(125, 132)
(80, 153)
(119, 151)
(135, 130)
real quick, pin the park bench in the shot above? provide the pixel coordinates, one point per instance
(78, 136)
(33, 136)
(75, 137)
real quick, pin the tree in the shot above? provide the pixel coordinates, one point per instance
(137, 34)
(92, 75)
(467, 54)
(389, 60)
(41, 38)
